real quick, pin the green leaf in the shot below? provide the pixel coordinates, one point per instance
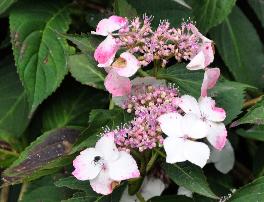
(209, 13)
(71, 105)
(162, 10)
(258, 160)
(172, 198)
(189, 176)
(240, 48)
(43, 189)
(5, 4)
(50, 150)
(255, 133)
(255, 115)
(84, 69)
(258, 7)
(230, 96)
(123, 8)
(14, 109)
(253, 191)
(40, 54)
(189, 82)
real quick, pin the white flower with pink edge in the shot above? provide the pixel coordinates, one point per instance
(211, 115)
(104, 165)
(182, 131)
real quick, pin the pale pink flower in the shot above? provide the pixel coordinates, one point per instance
(126, 65)
(211, 115)
(211, 76)
(182, 131)
(109, 25)
(117, 85)
(104, 165)
(106, 51)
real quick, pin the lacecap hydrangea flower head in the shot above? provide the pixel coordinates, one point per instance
(185, 128)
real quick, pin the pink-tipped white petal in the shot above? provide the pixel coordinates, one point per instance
(217, 135)
(223, 160)
(125, 167)
(196, 152)
(198, 62)
(102, 184)
(170, 124)
(130, 66)
(210, 111)
(208, 52)
(210, 78)
(85, 167)
(106, 146)
(117, 85)
(105, 52)
(189, 105)
(174, 148)
(193, 126)
(107, 26)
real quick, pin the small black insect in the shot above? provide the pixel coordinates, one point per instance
(97, 160)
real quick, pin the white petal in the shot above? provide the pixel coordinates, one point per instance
(198, 62)
(210, 111)
(125, 167)
(131, 66)
(217, 134)
(102, 184)
(152, 187)
(170, 124)
(185, 192)
(196, 152)
(223, 160)
(128, 198)
(174, 148)
(193, 126)
(85, 167)
(189, 105)
(107, 147)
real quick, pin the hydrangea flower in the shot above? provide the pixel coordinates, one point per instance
(223, 160)
(180, 145)
(104, 165)
(151, 187)
(211, 76)
(211, 115)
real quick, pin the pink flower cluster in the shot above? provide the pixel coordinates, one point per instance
(144, 131)
(140, 45)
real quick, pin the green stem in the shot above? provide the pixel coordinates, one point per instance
(111, 104)
(152, 161)
(142, 73)
(4, 193)
(140, 197)
(160, 153)
(22, 191)
(155, 69)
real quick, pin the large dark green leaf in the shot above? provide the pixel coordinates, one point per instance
(255, 133)
(162, 10)
(84, 69)
(173, 198)
(189, 176)
(39, 52)
(71, 105)
(189, 82)
(258, 6)
(48, 152)
(5, 4)
(240, 48)
(208, 13)
(14, 109)
(123, 8)
(255, 115)
(251, 192)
